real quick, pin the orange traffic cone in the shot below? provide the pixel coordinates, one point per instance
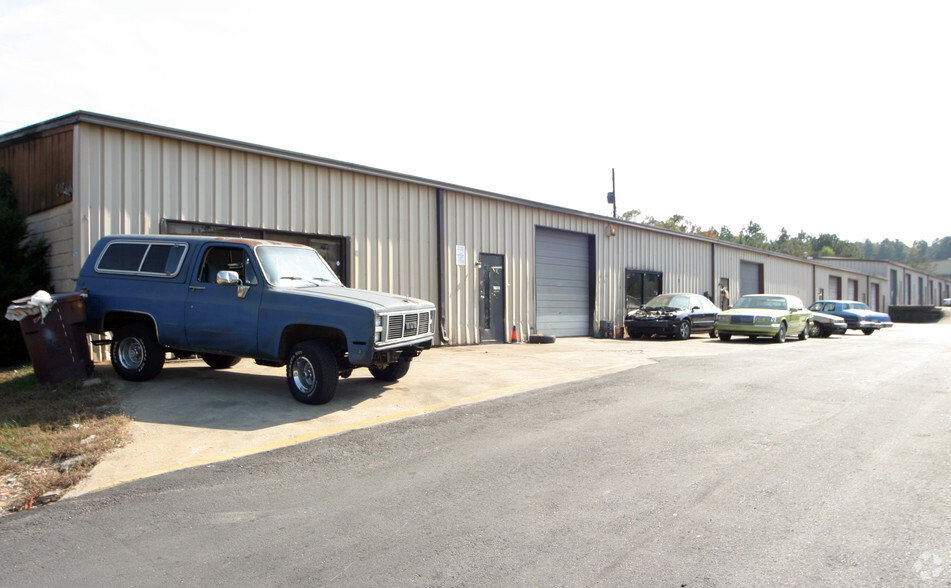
(514, 335)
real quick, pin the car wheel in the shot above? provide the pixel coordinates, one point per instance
(136, 353)
(391, 372)
(713, 333)
(780, 335)
(815, 330)
(804, 334)
(219, 362)
(633, 334)
(683, 330)
(312, 373)
(868, 331)
(725, 336)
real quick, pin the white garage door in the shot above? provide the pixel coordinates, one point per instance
(562, 283)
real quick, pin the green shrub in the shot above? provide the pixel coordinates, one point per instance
(23, 269)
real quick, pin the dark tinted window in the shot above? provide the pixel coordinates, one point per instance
(122, 257)
(146, 258)
(163, 259)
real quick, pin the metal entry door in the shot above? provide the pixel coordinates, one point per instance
(492, 298)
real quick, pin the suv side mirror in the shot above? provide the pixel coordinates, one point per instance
(230, 278)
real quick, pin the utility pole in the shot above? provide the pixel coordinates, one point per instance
(611, 199)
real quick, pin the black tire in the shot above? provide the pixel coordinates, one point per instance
(391, 372)
(780, 335)
(804, 334)
(816, 330)
(714, 333)
(868, 331)
(136, 353)
(541, 338)
(683, 330)
(220, 362)
(724, 336)
(312, 373)
(633, 334)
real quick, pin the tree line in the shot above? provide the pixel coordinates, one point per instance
(919, 254)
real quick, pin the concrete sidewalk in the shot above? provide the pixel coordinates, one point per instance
(192, 415)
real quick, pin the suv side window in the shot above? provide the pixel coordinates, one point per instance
(160, 259)
(233, 259)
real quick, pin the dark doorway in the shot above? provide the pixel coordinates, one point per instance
(640, 286)
(491, 298)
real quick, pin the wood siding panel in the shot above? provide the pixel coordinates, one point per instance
(40, 167)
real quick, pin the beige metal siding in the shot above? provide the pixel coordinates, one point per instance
(56, 226)
(491, 226)
(129, 181)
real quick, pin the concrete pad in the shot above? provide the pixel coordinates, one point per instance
(192, 415)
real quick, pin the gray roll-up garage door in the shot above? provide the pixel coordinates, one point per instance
(751, 278)
(562, 283)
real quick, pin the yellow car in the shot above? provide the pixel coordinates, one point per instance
(765, 315)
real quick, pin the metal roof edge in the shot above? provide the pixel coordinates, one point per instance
(83, 116)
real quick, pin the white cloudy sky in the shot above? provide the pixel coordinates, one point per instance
(824, 116)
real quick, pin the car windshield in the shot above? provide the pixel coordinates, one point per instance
(768, 302)
(295, 267)
(668, 302)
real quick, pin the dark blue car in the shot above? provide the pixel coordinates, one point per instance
(857, 315)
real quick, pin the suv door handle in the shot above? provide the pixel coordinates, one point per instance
(196, 287)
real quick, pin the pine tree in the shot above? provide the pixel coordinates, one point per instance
(23, 269)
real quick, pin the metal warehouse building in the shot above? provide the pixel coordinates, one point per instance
(490, 262)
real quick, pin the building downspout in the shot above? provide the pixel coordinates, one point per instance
(440, 264)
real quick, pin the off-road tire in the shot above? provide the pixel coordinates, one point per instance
(392, 372)
(136, 353)
(312, 373)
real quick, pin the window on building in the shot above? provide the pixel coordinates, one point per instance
(332, 249)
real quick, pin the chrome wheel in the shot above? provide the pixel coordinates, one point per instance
(303, 374)
(131, 353)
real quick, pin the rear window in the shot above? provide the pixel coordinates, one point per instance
(139, 257)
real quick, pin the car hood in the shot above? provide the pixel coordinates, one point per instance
(827, 317)
(656, 313)
(380, 301)
(755, 312)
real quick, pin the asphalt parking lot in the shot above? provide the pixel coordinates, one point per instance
(191, 415)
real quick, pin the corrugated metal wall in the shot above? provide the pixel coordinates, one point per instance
(129, 181)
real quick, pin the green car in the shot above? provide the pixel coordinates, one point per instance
(765, 315)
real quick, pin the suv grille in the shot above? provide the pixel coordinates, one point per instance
(411, 324)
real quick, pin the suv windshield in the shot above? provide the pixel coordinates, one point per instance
(295, 267)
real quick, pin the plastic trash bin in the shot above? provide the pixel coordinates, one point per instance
(55, 336)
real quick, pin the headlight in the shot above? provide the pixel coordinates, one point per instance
(763, 320)
(378, 330)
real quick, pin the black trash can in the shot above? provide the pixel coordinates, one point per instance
(57, 342)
